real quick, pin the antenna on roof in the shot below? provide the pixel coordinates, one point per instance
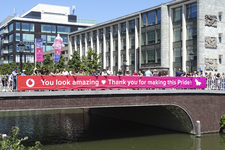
(73, 7)
(14, 11)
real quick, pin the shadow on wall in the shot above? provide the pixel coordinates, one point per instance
(168, 116)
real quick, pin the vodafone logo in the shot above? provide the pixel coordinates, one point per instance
(30, 82)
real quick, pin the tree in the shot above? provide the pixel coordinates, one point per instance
(75, 62)
(13, 65)
(61, 64)
(47, 63)
(5, 69)
(29, 68)
(92, 60)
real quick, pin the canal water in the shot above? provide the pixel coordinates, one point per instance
(73, 129)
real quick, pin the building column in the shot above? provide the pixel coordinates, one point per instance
(140, 20)
(104, 48)
(136, 43)
(91, 39)
(97, 42)
(111, 48)
(127, 45)
(85, 48)
(75, 43)
(70, 52)
(184, 38)
(80, 46)
(119, 47)
(171, 44)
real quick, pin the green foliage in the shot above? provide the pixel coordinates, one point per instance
(11, 141)
(222, 123)
(92, 61)
(75, 62)
(61, 64)
(47, 63)
(5, 69)
(29, 68)
(13, 65)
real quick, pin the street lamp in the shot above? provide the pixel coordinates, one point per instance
(125, 65)
(191, 57)
(21, 49)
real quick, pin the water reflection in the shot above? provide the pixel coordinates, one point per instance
(74, 129)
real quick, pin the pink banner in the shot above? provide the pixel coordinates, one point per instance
(39, 50)
(58, 48)
(108, 82)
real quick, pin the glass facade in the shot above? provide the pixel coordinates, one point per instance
(177, 53)
(151, 56)
(143, 20)
(132, 59)
(48, 38)
(158, 51)
(65, 39)
(131, 26)
(108, 46)
(151, 37)
(10, 48)
(192, 11)
(28, 37)
(11, 27)
(177, 14)
(18, 26)
(63, 29)
(30, 58)
(143, 57)
(10, 58)
(143, 40)
(48, 28)
(123, 44)
(191, 31)
(151, 18)
(123, 28)
(158, 36)
(132, 42)
(47, 48)
(115, 60)
(115, 30)
(28, 27)
(115, 45)
(17, 36)
(159, 16)
(107, 61)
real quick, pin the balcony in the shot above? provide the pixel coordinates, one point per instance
(4, 62)
(5, 42)
(5, 32)
(4, 51)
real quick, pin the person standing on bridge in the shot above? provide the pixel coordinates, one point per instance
(148, 73)
(65, 73)
(15, 74)
(178, 73)
(109, 72)
(94, 73)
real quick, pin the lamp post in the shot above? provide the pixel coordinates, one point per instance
(21, 49)
(125, 65)
(191, 57)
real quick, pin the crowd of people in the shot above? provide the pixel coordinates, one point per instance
(215, 81)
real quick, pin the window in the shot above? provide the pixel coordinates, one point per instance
(132, 59)
(190, 49)
(29, 48)
(101, 34)
(107, 33)
(115, 60)
(10, 48)
(115, 45)
(11, 27)
(220, 18)
(83, 51)
(151, 37)
(17, 58)
(143, 20)
(100, 48)
(63, 29)
(17, 36)
(132, 42)
(115, 30)
(123, 44)
(191, 32)
(48, 38)
(88, 37)
(220, 40)
(94, 35)
(48, 28)
(143, 39)
(18, 26)
(177, 34)
(158, 51)
(65, 39)
(30, 58)
(28, 37)
(28, 27)
(158, 36)
(151, 56)
(177, 54)
(159, 16)
(131, 26)
(123, 28)
(177, 14)
(107, 61)
(10, 37)
(192, 11)
(151, 18)
(10, 58)
(123, 57)
(47, 48)
(143, 57)
(108, 46)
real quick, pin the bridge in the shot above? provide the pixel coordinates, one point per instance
(172, 109)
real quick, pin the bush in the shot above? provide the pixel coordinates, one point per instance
(11, 142)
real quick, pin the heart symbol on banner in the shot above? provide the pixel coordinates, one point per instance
(103, 81)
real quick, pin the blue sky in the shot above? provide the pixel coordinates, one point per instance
(100, 10)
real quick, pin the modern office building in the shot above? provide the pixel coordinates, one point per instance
(161, 37)
(42, 21)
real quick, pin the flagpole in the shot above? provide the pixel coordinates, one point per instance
(35, 54)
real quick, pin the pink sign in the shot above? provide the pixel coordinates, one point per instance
(108, 82)
(39, 50)
(58, 48)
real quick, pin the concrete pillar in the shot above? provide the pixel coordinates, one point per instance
(171, 43)
(119, 46)
(85, 40)
(111, 48)
(80, 46)
(140, 19)
(104, 48)
(136, 42)
(97, 46)
(91, 39)
(127, 44)
(75, 43)
(184, 38)
(70, 52)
